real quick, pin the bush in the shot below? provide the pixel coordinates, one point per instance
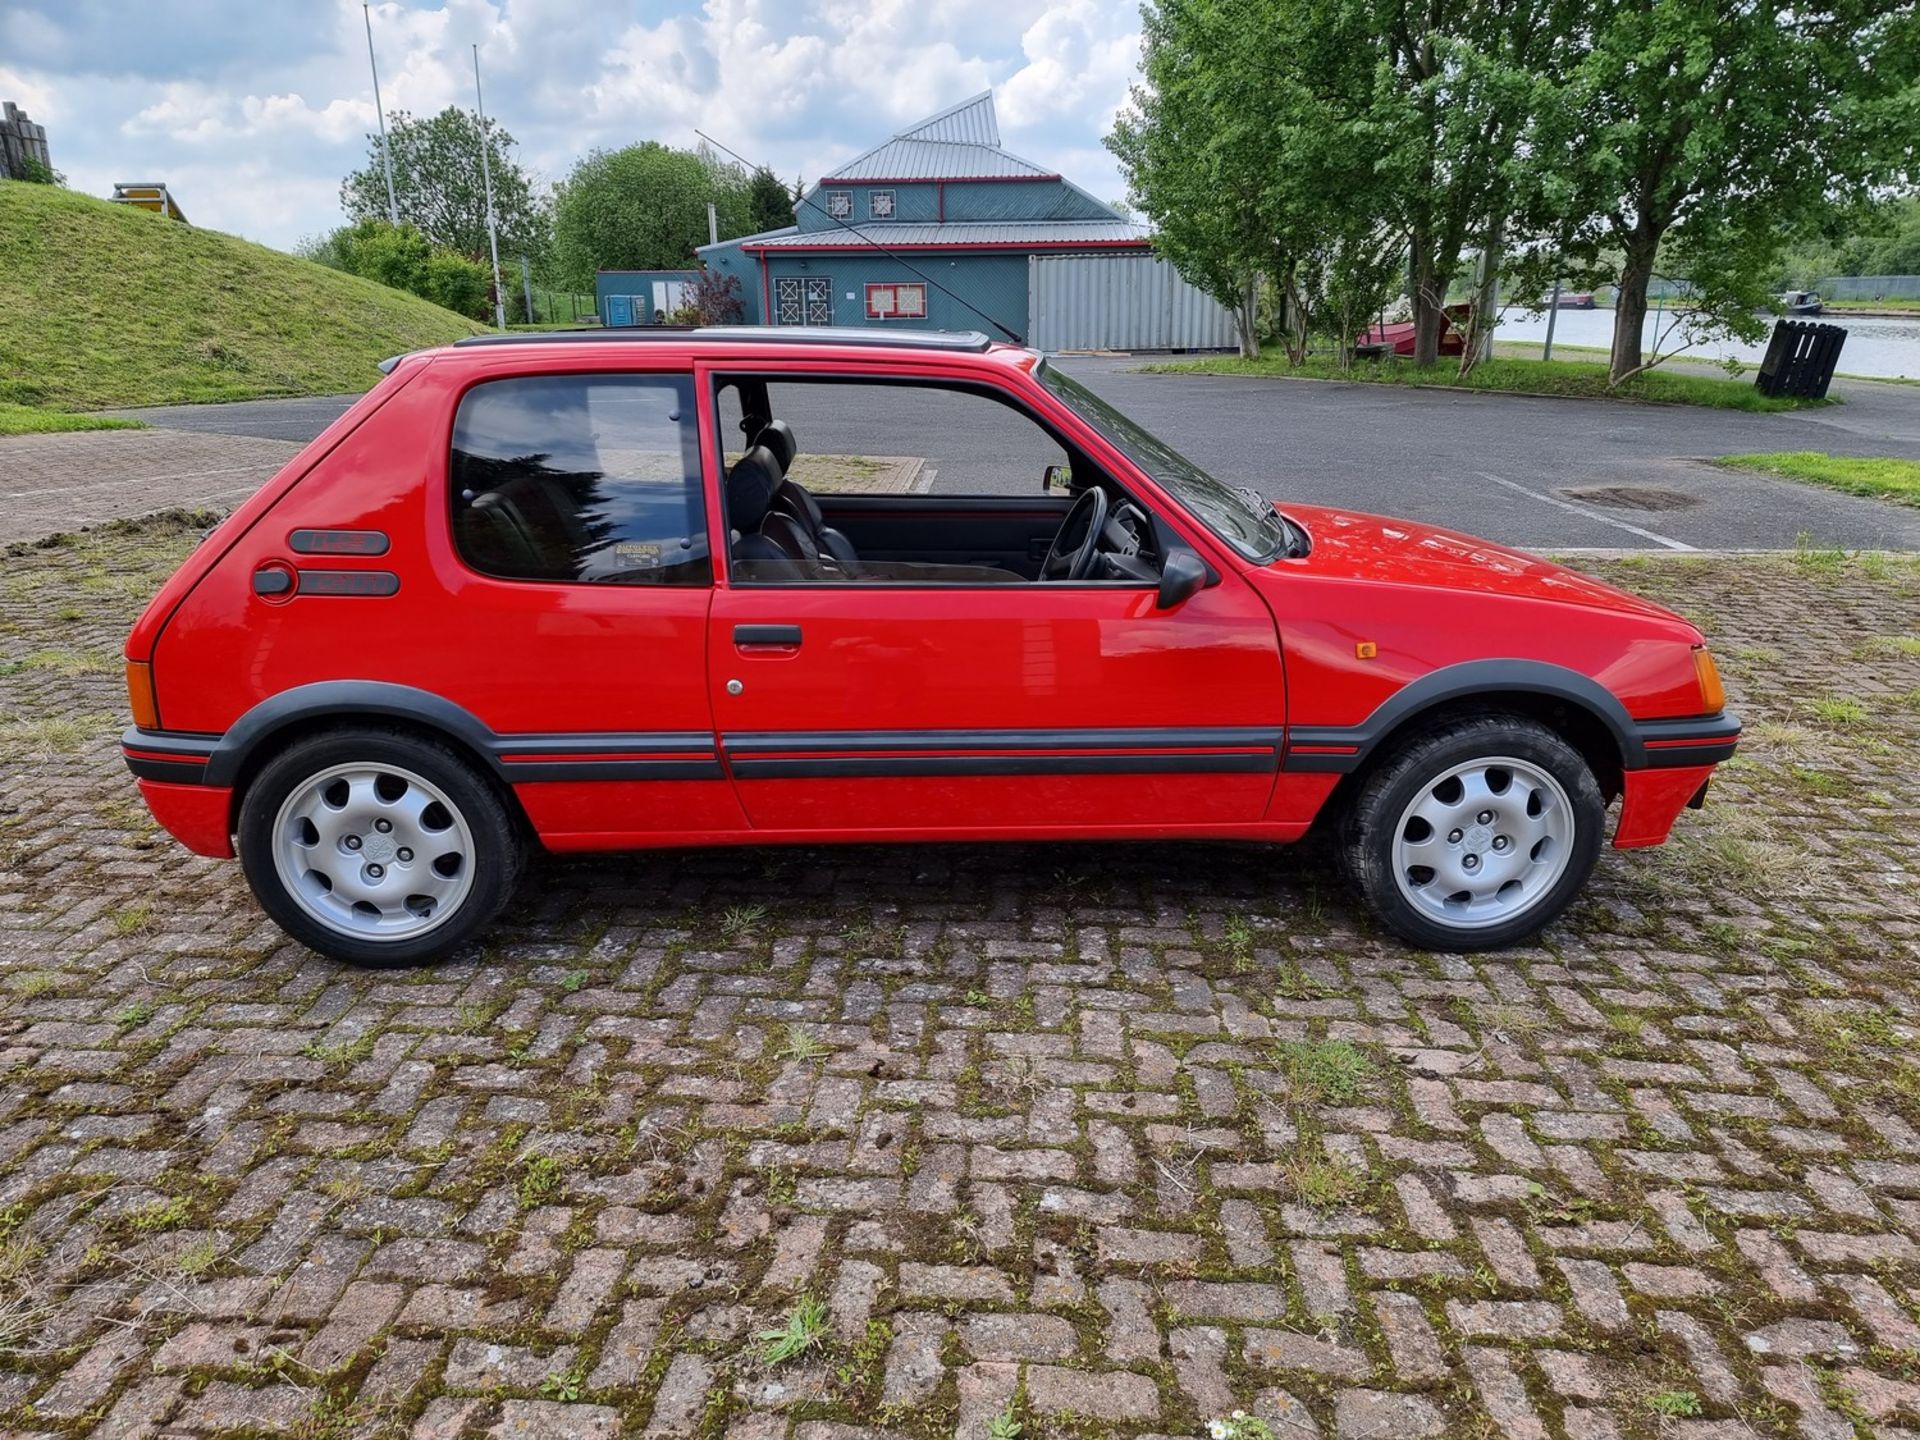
(716, 299)
(401, 257)
(458, 284)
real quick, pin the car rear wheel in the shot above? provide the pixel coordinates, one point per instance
(1475, 834)
(377, 848)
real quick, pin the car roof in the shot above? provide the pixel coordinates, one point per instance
(834, 336)
(717, 340)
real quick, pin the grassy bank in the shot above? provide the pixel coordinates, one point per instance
(1884, 479)
(26, 420)
(104, 305)
(1531, 377)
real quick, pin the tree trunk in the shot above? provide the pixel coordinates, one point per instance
(1630, 312)
(1247, 319)
(1426, 309)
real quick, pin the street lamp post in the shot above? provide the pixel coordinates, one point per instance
(486, 175)
(386, 150)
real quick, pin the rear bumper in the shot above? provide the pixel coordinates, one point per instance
(195, 815)
(171, 772)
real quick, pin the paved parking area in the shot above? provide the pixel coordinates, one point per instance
(1102, 1140)
(1542, 473)
(55, 483)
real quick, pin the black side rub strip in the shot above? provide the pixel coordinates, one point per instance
(878, 754)
(687, 755)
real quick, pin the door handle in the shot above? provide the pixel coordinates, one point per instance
(785, 636)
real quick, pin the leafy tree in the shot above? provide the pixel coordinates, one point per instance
(1697, 137)
(769, 204)
(643, 207)
(440, 190)
(1188, 162)
(1260, 146)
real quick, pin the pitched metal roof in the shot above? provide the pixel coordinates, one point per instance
(971, 122)
(962, 142)
(967, 234)
(905, 159)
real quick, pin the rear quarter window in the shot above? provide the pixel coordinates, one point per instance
(581, 478)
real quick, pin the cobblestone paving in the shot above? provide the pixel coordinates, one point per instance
(1084, 1139)
(51, 483)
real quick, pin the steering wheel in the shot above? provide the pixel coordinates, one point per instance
(1075, 561)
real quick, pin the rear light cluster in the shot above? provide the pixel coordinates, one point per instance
(1713, 695)
(146, 712)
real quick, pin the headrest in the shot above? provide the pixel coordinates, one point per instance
(777, 436)
(750, 486)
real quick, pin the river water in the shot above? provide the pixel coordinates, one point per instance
(1874, 346)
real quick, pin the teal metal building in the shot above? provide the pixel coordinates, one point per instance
(944, 197)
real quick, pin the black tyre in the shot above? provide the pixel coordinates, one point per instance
(1475, 834)
(376, 847)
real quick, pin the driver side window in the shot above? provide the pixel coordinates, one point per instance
(873, 483)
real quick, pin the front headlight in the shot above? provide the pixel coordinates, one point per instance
(1713, 695)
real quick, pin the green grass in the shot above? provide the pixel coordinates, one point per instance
(25, 420)
(1533, 377)
(805, 1327)
(1884, 479)
(105, 305)
(1896, 303)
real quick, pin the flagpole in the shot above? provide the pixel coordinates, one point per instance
(486, 175)
(386, 149)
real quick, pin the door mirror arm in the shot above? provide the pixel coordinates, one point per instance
(1183, 575)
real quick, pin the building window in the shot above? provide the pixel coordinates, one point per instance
(803, 300)
(880, 204)
(896, 302)
(840, 204)
(581, 478)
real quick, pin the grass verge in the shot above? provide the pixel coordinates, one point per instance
(1531, 377)
(26, 420)
(1881, 478)
(104, 305)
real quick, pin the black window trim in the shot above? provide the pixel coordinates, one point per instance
(668, 370)
(720, 372)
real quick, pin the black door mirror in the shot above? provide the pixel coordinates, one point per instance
(1183, 575)
(1057, 480)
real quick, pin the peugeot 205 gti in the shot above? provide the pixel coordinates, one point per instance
(577, 592)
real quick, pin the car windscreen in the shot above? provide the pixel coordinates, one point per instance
(1249, 527)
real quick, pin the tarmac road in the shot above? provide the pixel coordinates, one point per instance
(1517, 469)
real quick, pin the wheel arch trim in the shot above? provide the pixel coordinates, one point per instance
(346, 700)
(1342, 749)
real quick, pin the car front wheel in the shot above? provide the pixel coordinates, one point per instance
(377, 848)
(1475, 834)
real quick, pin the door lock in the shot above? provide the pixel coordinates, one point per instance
(734, 687)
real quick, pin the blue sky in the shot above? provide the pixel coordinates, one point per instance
(252, 110)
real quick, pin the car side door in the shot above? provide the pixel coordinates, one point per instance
(892, 708)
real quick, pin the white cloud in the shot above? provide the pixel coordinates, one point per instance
(253, 112)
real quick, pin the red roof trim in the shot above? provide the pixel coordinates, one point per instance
(950, 245)
(938, 179)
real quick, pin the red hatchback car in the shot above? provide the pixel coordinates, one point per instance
(572, 592)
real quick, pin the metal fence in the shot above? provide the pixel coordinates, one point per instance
(550, 307)
(1870, 287)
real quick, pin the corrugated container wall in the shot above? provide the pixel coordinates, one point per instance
(1121, 302)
